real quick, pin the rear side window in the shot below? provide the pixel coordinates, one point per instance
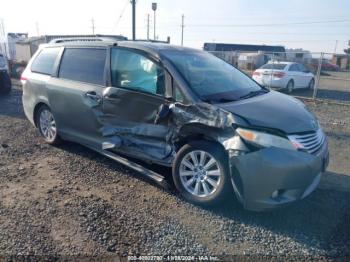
(44, 63)
(294, 68)
(274, 66)
(84, 65)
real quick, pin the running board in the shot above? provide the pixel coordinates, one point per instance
(144, 171)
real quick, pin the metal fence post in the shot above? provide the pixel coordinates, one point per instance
(318, 76)
(273, 66)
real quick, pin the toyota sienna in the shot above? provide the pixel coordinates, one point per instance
(140, 103)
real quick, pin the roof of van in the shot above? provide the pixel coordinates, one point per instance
(141, 45)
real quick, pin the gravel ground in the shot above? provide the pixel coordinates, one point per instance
(70, 201)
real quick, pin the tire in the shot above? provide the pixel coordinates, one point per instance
(209, 186)
(5, 83)
(47, 126)
(290, 86)
(311, 84)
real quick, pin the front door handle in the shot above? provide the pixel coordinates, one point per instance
(92, 95)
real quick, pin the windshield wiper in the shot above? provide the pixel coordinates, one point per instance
(220, 100)
(254, 93)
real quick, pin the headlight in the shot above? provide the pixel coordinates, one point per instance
(261, 139)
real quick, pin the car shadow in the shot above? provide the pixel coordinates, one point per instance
(320, 221)
(166, 185)
(11, 104)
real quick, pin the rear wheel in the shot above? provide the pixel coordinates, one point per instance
(290, 86)
(46, 124)
(201, 173)
(311, 84)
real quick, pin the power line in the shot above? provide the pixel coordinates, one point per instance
(271, 41)
(274, 24)
(327, 34)
(121, 15)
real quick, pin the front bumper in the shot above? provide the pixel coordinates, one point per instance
(274, 177)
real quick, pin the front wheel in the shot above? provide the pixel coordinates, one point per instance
(311, 84)
(290, 86)
(201, 173)
(46, 124)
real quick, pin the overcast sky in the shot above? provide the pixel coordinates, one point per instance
(312, 25)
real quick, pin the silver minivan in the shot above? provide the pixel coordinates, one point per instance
(140, 102)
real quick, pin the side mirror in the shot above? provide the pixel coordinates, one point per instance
(163, 112)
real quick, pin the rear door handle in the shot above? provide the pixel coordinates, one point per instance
(92, 95)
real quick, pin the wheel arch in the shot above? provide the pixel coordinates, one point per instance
(36, 109)
(197, 131)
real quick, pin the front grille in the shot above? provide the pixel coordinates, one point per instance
(312, 141)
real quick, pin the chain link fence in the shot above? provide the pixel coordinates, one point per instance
(313, 75)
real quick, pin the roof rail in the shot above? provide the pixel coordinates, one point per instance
(82, 39)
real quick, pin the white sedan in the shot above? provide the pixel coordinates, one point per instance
(288, 75)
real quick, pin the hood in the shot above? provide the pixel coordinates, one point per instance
(274, 110)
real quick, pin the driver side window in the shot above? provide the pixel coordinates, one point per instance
(131, 70)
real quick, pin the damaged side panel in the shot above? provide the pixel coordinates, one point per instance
(148, 127)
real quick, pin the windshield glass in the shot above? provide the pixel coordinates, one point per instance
(211, 78)
(274, 66)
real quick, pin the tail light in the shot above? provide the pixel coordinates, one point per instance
(256, 73)
(23, 79)
(278, 74)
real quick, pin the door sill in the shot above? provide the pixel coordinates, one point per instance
(137, 167)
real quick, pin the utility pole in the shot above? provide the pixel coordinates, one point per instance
(2, 35)
(147, 26)
(154, 8)
(93, 26)
(182, 29)
(335, 48)
(133, 3)
(37, 28)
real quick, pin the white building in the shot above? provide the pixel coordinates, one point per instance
(298, 55)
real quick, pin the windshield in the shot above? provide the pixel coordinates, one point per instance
(212, 79)
(274, 66)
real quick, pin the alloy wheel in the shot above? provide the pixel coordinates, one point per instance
(47, 125)
(200, 173)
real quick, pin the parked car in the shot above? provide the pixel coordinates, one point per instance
(5, 80)
(325, 66)
(181, 108)
(284, 75)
